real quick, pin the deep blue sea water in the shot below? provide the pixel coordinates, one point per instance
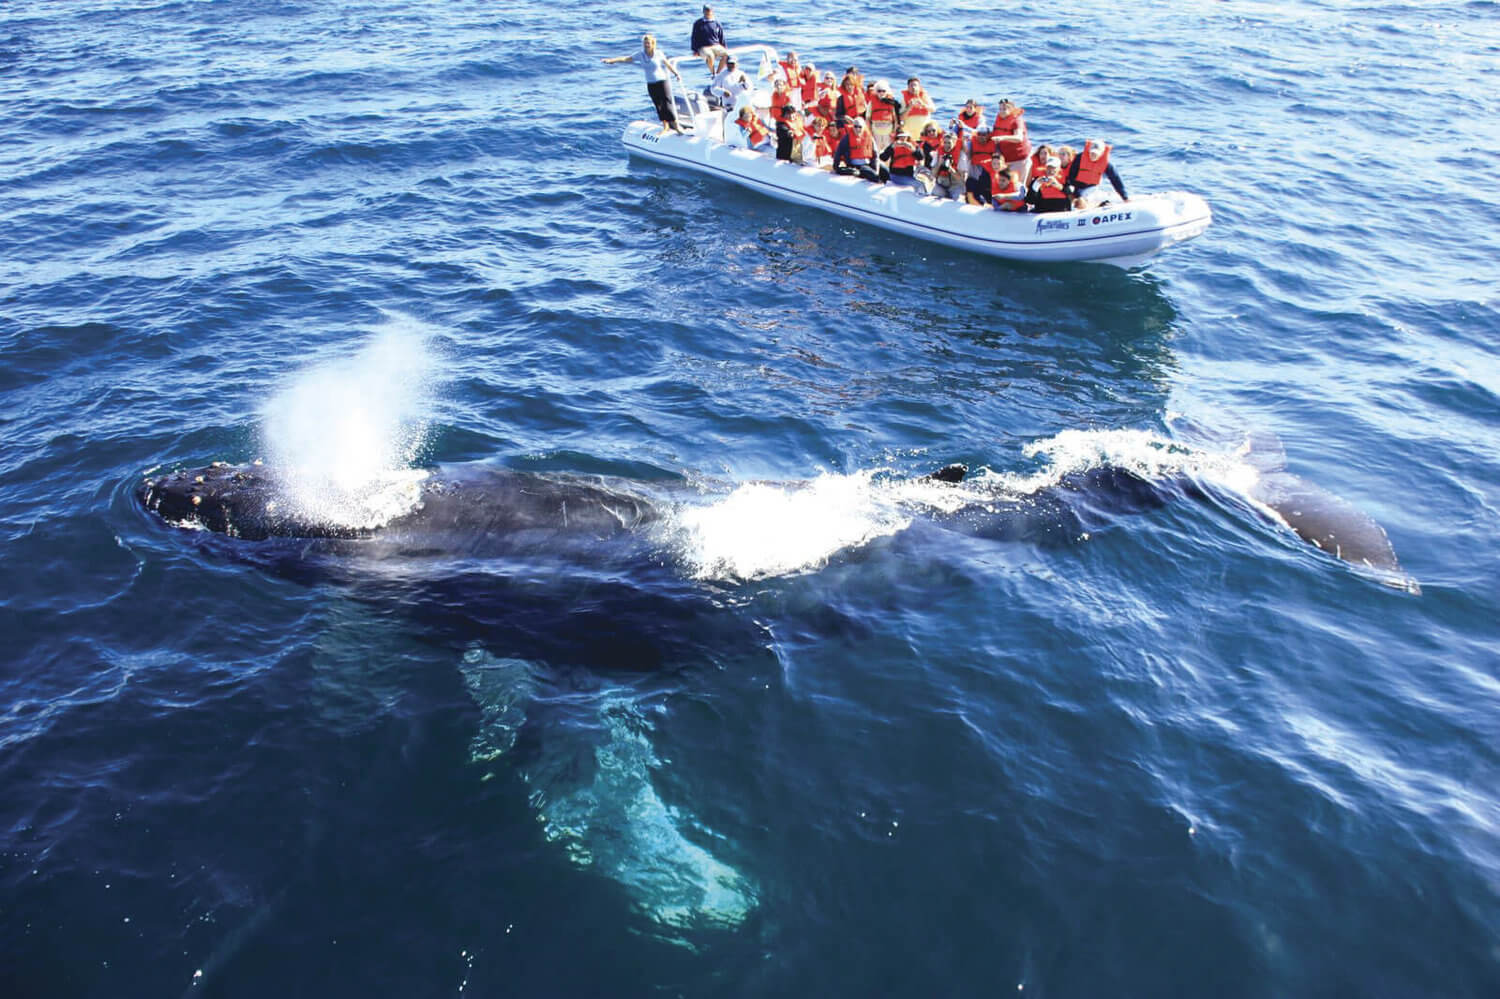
(828, 745)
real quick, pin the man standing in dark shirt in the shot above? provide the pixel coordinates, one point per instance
(708, 41)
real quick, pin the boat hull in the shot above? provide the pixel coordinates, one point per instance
(1124, 234)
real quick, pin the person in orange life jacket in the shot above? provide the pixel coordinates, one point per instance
(791, 69)
(781, 99)
(807, 86)
(657, 66)
(822, 141)
(904, 155)
(1065, 156)
(828, 103)
(918, 103)
(981, 146)
(1087, 170)
(789, 133)
(930, 144)
(1039, 160)
(752, 133)
(885, 115)
(1007, 193)
(1047, 192)
(968, 118)
(856, 153)
(1010, 133)
(950, 174)
(851, 102)
(985, 178)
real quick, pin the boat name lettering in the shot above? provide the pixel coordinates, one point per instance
(651, 136)
(1043, 225)
(1116, 217)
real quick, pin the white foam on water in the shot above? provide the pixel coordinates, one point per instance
(769, 529)
(1143, 453)
(341, 436)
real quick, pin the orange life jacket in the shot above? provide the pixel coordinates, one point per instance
(854, 102)
(861, 145)
(903, 155)
(828, 106)
(822, 144)
(1015, 146)
(757, 130)
(1005, 191)
(968, 120)
(779, 102)
(1049, 189)
(980, 150)
(809, 87)
(882, 110)
(793, 76)
(916, 106)
(1091, 171)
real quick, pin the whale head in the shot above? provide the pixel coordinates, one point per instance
(240, 501)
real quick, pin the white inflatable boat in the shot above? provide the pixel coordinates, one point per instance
(1123, 233)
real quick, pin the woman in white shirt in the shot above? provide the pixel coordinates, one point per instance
(656, 67)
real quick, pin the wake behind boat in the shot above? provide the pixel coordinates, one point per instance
(1123, 233)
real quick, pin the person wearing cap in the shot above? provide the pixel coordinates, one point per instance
(708, 41)
(656, 66)
(1047, 192)
(1087, 170)
(729, 84)
(904, 155)
(981, 147)
(856, 152)
(1010, 134)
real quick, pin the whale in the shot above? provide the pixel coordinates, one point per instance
(464, 514)
(561, 594)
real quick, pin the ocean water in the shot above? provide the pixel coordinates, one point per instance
(824, 733)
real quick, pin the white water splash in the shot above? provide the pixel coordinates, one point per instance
(1143, 453)
(341, 436)
(769, 529)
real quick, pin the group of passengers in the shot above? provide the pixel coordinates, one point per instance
(865, 129)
